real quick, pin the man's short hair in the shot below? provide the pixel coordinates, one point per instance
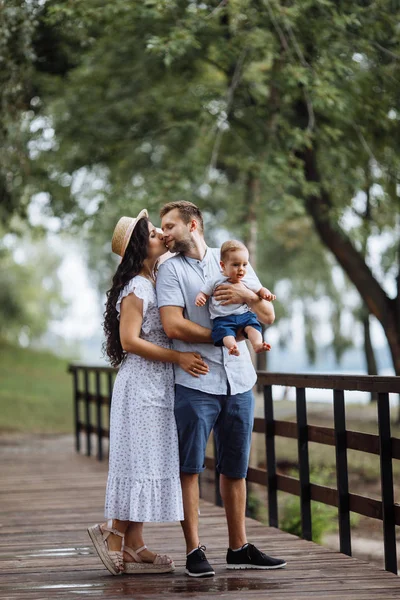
(187, 211)
(230, 246)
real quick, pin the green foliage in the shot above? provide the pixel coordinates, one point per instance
(151, 101)
(323, 517)
(17, 25)
(35, 391)
(30, 290)
(256, 508)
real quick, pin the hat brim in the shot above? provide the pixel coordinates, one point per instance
(143, 213)
(121, 247)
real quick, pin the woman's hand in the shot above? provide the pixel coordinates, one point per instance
(192, 363)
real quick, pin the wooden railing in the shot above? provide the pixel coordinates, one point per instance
(92, 394)
(92, 389)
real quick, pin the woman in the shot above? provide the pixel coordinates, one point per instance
(143, 480)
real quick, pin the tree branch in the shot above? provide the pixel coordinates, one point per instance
(230, 95)
(319, 208)
(386, 51)
(217, 9)
(277, 27)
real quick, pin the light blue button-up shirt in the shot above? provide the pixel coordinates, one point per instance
(179, 280)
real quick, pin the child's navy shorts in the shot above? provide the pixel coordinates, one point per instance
(230, 325)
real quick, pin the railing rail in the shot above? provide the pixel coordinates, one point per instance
(93, 386)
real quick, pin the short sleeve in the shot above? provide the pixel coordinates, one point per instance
(136, 286)
(169, 291)
(251, 280)
(209, 286)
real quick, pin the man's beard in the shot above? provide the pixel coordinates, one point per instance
(183, 246)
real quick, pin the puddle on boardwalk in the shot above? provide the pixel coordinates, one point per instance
(49, 553)
(76, 588)
(218, 584)
(172, 586)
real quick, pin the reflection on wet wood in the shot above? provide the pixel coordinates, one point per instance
(49, 495)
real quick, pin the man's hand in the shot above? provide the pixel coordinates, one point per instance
(235, 293)
(265, 294)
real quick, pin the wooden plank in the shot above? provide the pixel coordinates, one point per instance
(361, 383)
(355, 440)
(362, 505)
(48, 496)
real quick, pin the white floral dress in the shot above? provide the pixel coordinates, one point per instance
(143, 480)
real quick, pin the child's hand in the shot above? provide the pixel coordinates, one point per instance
(201, 299)
(265, 294)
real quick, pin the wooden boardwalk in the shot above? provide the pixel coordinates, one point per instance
(48, 496)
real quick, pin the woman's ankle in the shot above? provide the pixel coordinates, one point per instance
(114, 541)
(133, 543)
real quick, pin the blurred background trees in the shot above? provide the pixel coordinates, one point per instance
(279, 119)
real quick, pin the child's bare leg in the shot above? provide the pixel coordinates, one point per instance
(256, 340)
(230, 342)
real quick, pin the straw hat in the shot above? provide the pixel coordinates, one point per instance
(123, 231)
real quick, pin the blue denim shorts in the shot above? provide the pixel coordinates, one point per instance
(231, 418)
(230, 325)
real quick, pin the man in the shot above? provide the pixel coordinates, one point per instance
(222, 400)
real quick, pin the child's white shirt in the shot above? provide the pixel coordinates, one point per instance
(219, 310)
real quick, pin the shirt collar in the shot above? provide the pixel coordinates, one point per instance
(204, 260)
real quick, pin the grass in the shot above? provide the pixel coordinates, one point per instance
(35, 392)
(364, 468)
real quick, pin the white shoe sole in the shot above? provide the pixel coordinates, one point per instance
(207, 574)
(258, 567)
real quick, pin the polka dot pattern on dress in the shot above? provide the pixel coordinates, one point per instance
(143, 480)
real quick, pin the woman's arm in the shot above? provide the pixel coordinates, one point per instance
(131, 319)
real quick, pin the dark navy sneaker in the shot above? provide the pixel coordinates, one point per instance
(197, 564)
(249, 557)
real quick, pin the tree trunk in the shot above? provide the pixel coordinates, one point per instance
(333, 237)
(369, 353)
(253, 197)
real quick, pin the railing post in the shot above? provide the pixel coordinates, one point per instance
(200, 485)
(342, 478)
(76, 409)
(270, 456)
(385, 443)
(110, 390)
(248, 511)
(304, 467)
(87, 413)
(99, 418)
(217, 493)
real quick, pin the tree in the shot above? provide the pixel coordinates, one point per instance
(30, 293)
(198, 100)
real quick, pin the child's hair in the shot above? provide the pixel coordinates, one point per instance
(230, 246)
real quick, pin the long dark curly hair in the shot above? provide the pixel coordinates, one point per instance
(131, 264)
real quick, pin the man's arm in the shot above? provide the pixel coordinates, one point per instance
(238, 293)
(178, 328)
